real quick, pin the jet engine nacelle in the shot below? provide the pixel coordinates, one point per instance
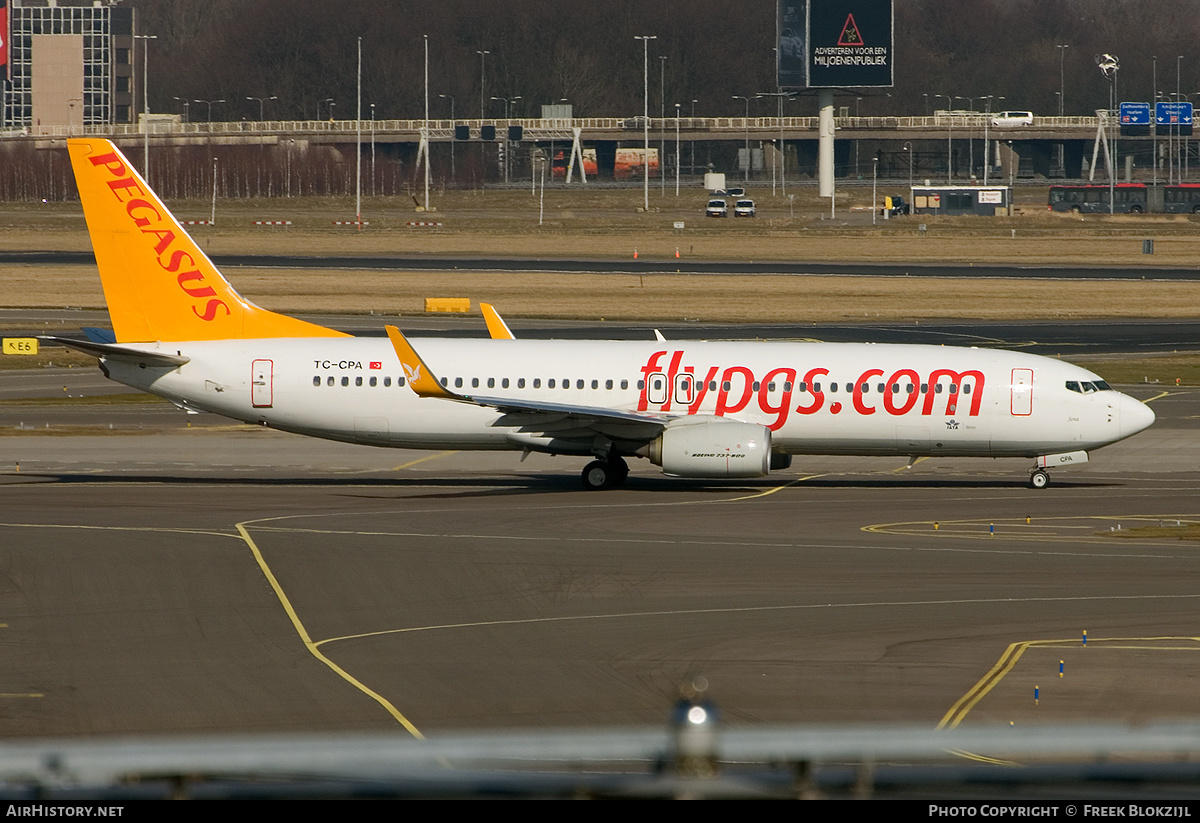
(714, 448)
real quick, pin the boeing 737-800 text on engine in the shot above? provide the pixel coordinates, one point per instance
(697, 409)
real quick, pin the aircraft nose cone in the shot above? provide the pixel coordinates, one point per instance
(1136, 416)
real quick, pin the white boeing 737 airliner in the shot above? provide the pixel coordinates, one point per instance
(697, 409)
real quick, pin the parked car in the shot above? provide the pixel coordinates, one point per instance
(736, 191)
(744, 208)
(717, 208)
(1005, 119)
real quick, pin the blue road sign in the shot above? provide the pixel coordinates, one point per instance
(1173, 114)
(1135, 114)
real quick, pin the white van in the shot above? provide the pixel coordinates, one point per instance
(1005, 119)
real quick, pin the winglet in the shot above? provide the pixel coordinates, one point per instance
(497, 328)
(420, 378)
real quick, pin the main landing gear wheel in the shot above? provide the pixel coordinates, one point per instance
(597, 475)
(619, 469)
(601, 474)
(1039, 479)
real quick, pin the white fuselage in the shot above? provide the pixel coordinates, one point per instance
(817, 398)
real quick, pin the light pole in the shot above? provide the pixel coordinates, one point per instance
(482, 60)
(328, 100)
(507, 145)
(677, 149)
(662, 119)
(778, 95)
(373, 150)
(949, 137)
(1154, 128)
(645, 38)
(692, 143)
(746, 126)
(260, 105)
(186, 103)
(1062, 77)
(145, 102)
(1178, 130)
(358, 138)
(451, 98)
(874, 190)
(426, 135)
(71, 114)
(1109, 65)
(208, 103)
(970, 137)
(908, 148)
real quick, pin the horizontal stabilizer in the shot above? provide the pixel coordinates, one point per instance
(99, 335)
(113, 351)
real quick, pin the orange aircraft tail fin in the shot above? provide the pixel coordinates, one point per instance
(158, 284)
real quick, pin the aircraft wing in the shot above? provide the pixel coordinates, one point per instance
(530, 415)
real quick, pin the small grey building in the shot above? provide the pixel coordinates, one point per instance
(992, 201)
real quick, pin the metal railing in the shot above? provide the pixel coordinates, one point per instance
(536, 128)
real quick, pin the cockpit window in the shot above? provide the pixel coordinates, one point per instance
(1088, 387)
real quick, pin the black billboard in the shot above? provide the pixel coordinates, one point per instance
(834, 43)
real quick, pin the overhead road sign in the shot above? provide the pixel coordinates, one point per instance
(1135, 114)
(1173, 114)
